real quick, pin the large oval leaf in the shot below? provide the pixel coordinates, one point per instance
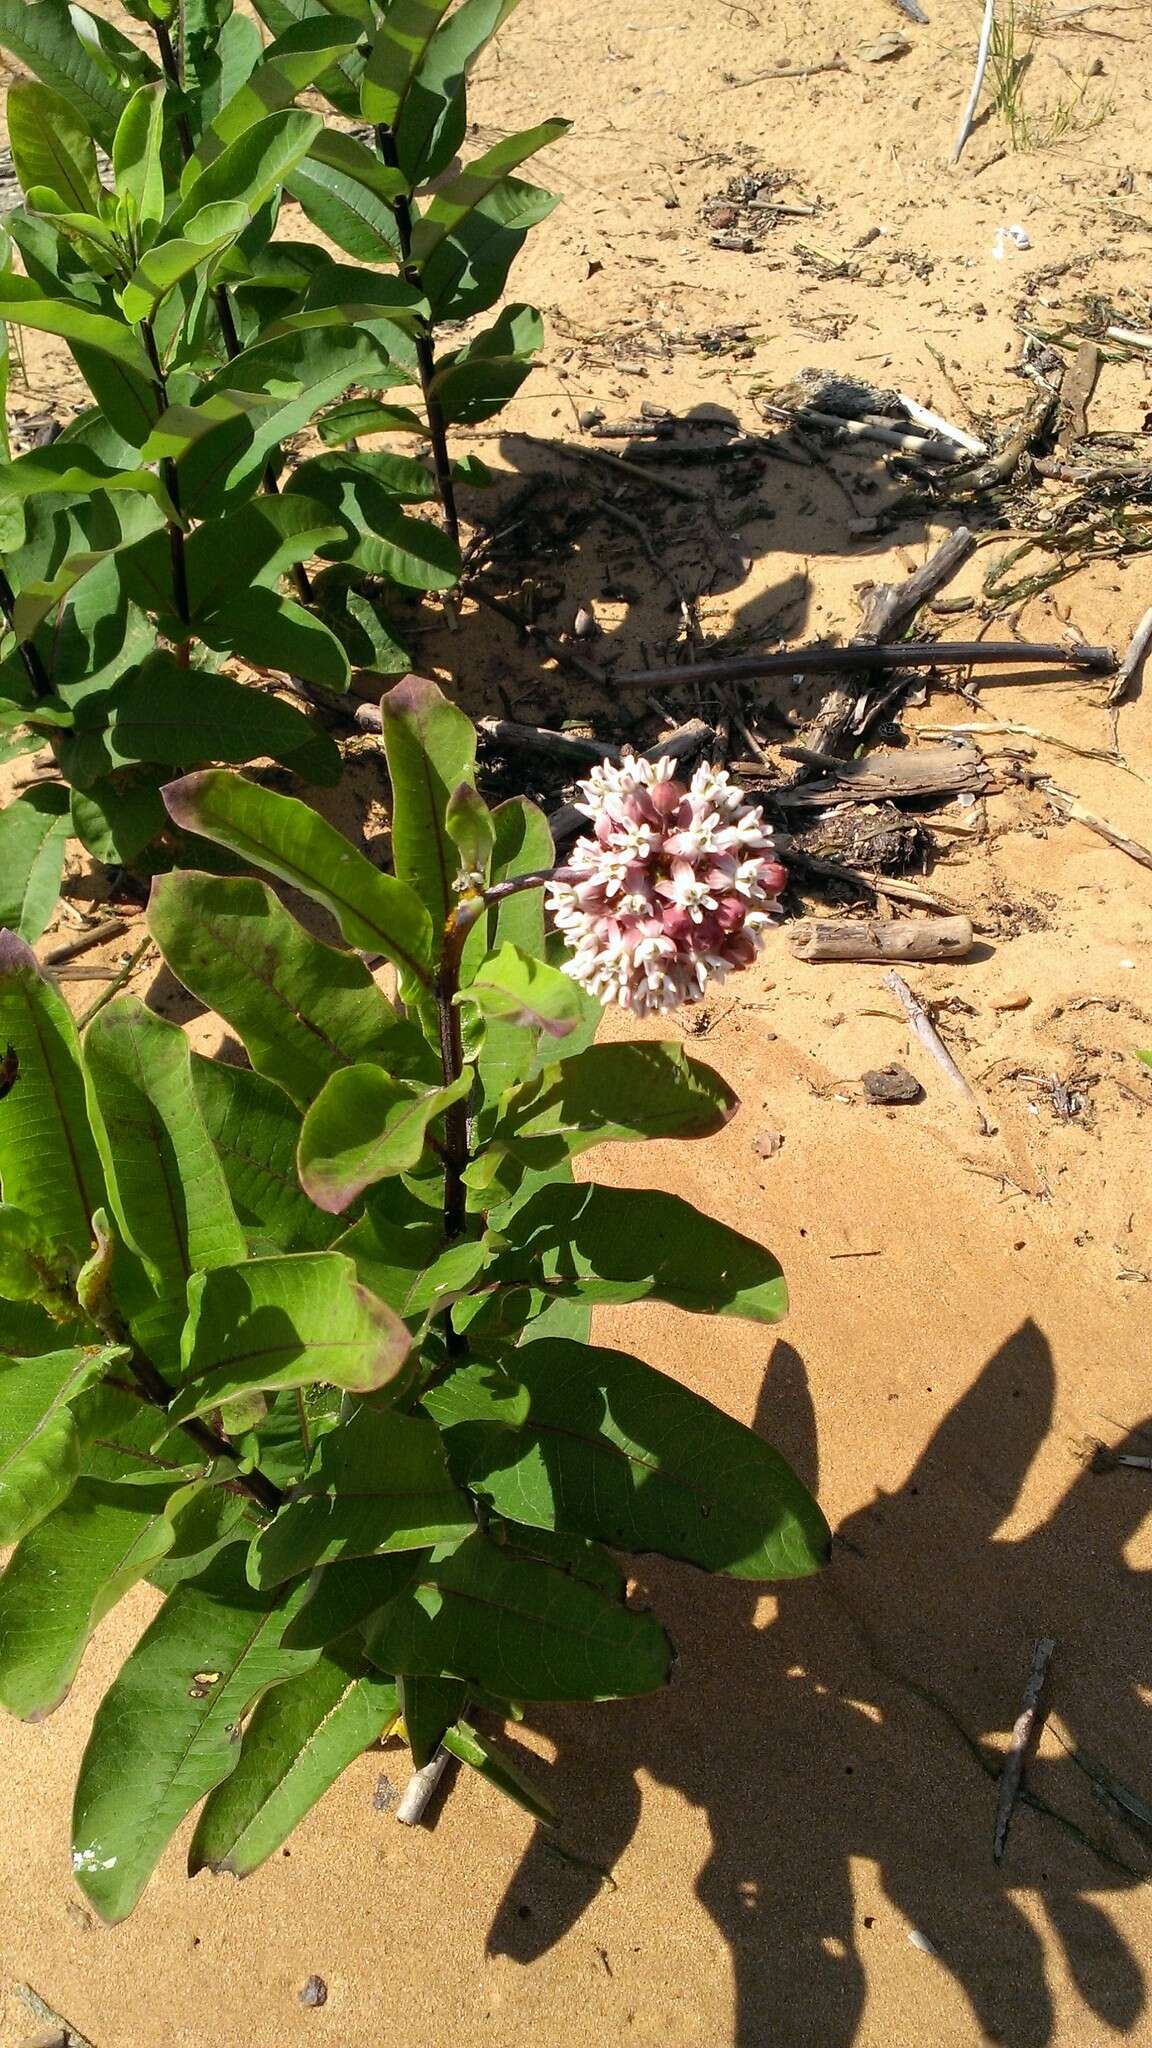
(285, 1322)
(33, 835)
(613, 1450)
(374, 911)
(431, 749)
(39, 1439)
(609, 1094)
(302, 1010)
(67, 1575)
(518, 1629)
(365, 1127)
(302, 1735)
(379, 1482)
(165, 1732)
(255, 1130)
(48, 1161)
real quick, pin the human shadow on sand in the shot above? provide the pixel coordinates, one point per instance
(854, 1724)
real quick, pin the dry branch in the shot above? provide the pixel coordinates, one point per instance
(896, 938)
(832, 661)
(1012, 1775)
(1071, 807)
(932, 1042)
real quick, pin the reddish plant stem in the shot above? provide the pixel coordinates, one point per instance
(425, 348)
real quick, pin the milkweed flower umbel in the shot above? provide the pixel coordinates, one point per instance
(672, 889)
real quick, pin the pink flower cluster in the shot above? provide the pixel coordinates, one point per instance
(672, 890)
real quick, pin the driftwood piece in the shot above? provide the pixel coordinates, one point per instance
(1076, 392)
(680, 745)
(1012, 1775)
(932, 1042)
(1132, 666)
(894, 938)
(112, 928)
(1071, 807)
(549, 746)
(889, 608)
(902, 776)
(836, 661)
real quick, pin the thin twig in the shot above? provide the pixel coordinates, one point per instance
(47, 2016)
(1072, 808)
(973, 102)
(112, 928)
(831, 661)
(920, 416)
(786, 71)
(1012, 1775)
(932, 1042)
(116, 984)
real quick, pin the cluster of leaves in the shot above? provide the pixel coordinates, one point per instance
(305, 1343)
(155, 535)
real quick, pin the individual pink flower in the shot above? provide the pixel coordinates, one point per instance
(672, 890)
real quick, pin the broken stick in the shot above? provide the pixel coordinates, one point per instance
(1131, 667)
(932, 1042)
(1071, 807)
(419, 1789)
(1012, 1775)
(895, 938)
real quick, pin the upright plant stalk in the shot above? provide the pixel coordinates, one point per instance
(233, 346)
(425, 348)
(172, 486)
(34, 668)
(452, 1066)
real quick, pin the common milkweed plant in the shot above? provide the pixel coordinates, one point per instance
(166, 530)
(305, 1342)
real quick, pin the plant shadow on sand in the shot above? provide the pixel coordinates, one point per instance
(855, 1724)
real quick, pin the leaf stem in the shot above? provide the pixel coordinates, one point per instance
(155, 1389)
(425, 348)
(171, 67)
(34, 667)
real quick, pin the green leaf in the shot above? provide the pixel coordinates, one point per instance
(484, 1754)
(518, 1629)
(342, 1596)
(154, 715)
(431, 748)
(523, 846)
(1146, 1057)
(169, 1195)
(66, 1575)
(64, 469)
(358, 416)
(136, 156)
(40, 34)
(22, 301)
(48, 1161)
(398, 1247)
(460, 197)
(364, 1127)
(635, 1244)
(301, 1009)
(346, 209)
(468, 823)
(163, 1737)
(254, 546)
(254, 1131)
(511, 987)
(117, 824)
(251, 168)
(51, 145)
(291, 63)
(341, 84)
(402, 41)
(166, 265)
(372, 530)
(374, 911)
(479, 379)
(284, 1322)
(301, 1737)
(429, 1706)
(363, 628)
(378, 1482)
(432, 122)
(39, 1442)
(274, 632)
(608, 1094)
(33, 834)
(613, 1450)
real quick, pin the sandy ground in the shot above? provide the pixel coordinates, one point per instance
(796, 1839)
